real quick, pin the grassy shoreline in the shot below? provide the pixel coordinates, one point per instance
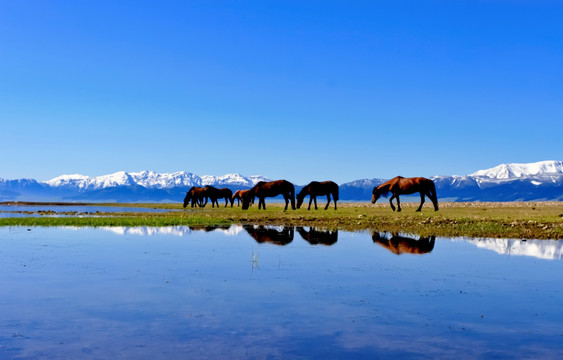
(526, 220)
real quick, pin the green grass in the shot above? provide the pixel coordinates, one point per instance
(529, 220)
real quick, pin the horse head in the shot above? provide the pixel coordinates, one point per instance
(375, 195)
(187, 199)
(246, 198)
(301, 196)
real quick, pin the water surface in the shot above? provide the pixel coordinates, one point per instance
(275, 292)
(61, 210)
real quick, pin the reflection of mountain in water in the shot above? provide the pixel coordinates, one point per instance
(318, 237)
(272, 235)
(541, 249)
(399, 244)
(171, 230)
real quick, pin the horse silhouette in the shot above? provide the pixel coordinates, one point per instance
(314, 189)
(401, 244)
(318, 237)
(404, 186)
(263, 234)
(270, 189)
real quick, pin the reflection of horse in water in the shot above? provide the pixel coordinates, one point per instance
(215, 194)
(238, 196)
(209, 228)
(196, 195)
(401, 244)
(268, 235)
(314, 189)
(318, 237)
(400, 185)
(270, 189)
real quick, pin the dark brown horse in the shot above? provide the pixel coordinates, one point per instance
(270, 189)
(195, 195)
(405, 186)
(401, 244)
(263, 234)
(214, 194)
(314, 189)
(318, 237)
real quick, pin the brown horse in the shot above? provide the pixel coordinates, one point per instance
(401, 244)
(404, 186)
(314, 189)
(214, 194)
(270, 189)
(238, 196)
(195, 195)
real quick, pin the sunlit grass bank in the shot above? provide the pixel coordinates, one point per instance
(528, 220)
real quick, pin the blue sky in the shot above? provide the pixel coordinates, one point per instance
(301, 90)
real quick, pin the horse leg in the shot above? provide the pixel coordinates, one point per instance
(315, 198)
(391, 202)
(334, 201)
(398, 204)
(327, 200)
(421, 200)
(310, 201)
(286, 202)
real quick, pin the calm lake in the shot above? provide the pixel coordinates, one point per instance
(275, 293)
(62, 210)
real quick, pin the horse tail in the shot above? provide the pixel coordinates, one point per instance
(432, 187)
(433, 192)
(335, 194)
(292, 195)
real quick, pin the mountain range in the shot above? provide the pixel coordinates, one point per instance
(507, 182)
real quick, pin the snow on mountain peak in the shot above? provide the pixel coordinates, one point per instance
(151, 179)
(516, 170)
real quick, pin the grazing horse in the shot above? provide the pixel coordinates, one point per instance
(401, 244)
(400, 185)
(195, 195)
(238, 196)
(270, 189)
(214, 194)
(318, 237)
(315, 189)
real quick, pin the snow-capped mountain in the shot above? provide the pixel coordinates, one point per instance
(151, 180)
(507, 182)
(512, 171)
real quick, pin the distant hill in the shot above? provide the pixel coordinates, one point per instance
(507, 182)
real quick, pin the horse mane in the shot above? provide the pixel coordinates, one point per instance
(385, 193)
(383, 190)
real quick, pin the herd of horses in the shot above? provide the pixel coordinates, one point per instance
(199, 196)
